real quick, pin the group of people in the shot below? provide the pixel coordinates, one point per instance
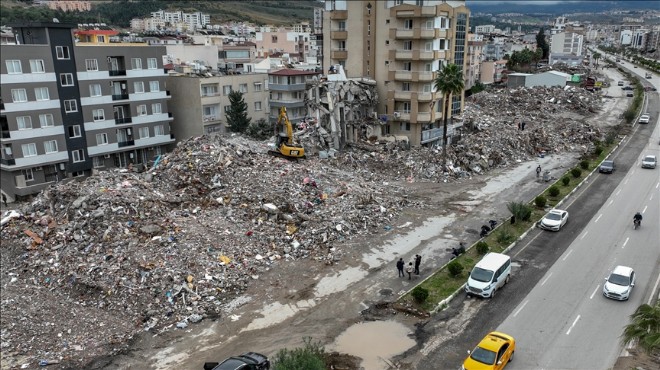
(411, 269)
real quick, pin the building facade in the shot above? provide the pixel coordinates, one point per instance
(69, 109)
(401, 44)
(287, 89)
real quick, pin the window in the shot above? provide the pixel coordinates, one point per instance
(407, 45)
(226, 89)
(62, 52)
(156, 108)
(27, 173)
(429, 25)
(257, 86)
(154, 86)
(95, 90)
(144, 132)
(419, 2)
(142, 110)
(46, 120)
(428, 67)
(41, 93)
(342, 25)
(138, 86)
(102, 139)
(242, 88)
(100, 38)
(78, 173)
(152, 63)
(159, 130)
(29, 150)
(66, 79)
(37, 66)
(404, 126)
(98, 162)
(208, 90)
(273, 39)
(74, 131)
(91, 64)
(428, 46)
(78, 155)
(50, 146)
(427, 88)
(14, 67)
(18, 95)
(98, 115)
(408, 24)
(443, 44)
(406, 107)
(136, 63)
(341, 45)
(24, 122)
(406, 86)
(227, 108)
(70, 106)
(257, 106)
(407, 66)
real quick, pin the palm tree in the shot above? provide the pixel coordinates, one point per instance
(596, 56)
(644, 328)
(449, 82)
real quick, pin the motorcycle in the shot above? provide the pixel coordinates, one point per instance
(636, 223)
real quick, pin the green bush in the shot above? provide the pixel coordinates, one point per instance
(565, 180)
(420, 294)
(553, 191)
(482, 247)
(576, 172)
(598, 151)
(260, 130)
(311, 357)
(455, 268)
(540, 201)
(611, 136)
(584, 164)
(521, 211)
(504, 235)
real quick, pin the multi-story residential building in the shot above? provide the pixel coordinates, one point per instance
(205, 100)
(69, 5)
(287, 89)
(282, 40)
(94, 33)
(147, 24)
(69, 108)
(566, 47)
(489, 28)
(474, 57)
(192, 21)
(492, 71)
(401, 44)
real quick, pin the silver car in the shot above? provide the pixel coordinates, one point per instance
(554, 220)
(620, 283)
(650, 161)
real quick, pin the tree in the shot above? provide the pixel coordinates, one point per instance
(311, 357)
(596, 56)
(542, 44)
(449, 82)
(644, 328)
(237, 117)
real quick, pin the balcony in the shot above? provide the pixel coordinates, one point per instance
(441, 33)
(402, 115)
(403, 55)
(121, 121)
(431, 135)
(417, 12)
(117, 72)
(424, 96)
(427, 33)
(426, 55)
(424, 76)
(8, 161)
(120, 97)
(338, 35)
(339, 14)
(424, 117)
(126, 143)
(403, 34)
(339, 54)
(6, 134)
(403, 75)
(402, 95)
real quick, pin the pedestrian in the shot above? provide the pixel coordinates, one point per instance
(399, 266)
(410, 270)
(418, 261)
(4, 200)
(538, 171)
(523, 126)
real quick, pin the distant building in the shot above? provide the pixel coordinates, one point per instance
(492, 71)
(474, 57)
(69, 5)
(547, 79)
(566, 43)
(192, 21)
(287, 89)
(95, 33)
(484, 29)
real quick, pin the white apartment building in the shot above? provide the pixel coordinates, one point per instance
(487, 28)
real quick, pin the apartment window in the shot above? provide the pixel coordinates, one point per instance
(444, 23)
(70, 106)
(14, 67)
(46, 120)
(27, 174)
(407, 66)
(207, 90)
(99, 162)
(62, 52)
(419, 2)
(142, 110)
(18, 95)
(406, 107)
(209, 110)
(100, 39)
(37, 66)
(138, 86)
(144, 132)
(227, 108)
(341, 45)
(152, 63)
(242, 88)
(154, 86)
(226, 89)
(427, 88)
(98, 115)
(74, 131)
(428, 46)
(443, 44)
(95, 90)
(24, 122)
(407, 45)
(66, 79)
(405, 86)
(257, 87)
(91, 64)
(78, 155)
(41, 93)
(156, 108)
(408, 24)
(257, 106)
(102, 139)
(342, 25)
(404, 126)
(428, 67)
(29, 150)
(78, 173)
(136, 63)
(50, 146)
(428, 25)
(273, 39)
(159, 130)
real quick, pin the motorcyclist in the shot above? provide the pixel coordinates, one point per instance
(638, 218)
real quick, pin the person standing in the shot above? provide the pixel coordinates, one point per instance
(538, 171)
(399, 266)
(410, 270)
(418, 261)
(4, 200)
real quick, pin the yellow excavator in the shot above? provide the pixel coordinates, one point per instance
(286, 148)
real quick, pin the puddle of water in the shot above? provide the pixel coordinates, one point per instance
(374, 341)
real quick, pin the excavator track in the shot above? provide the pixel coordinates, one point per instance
(275, 153)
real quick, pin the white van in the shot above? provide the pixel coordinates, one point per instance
(488, 275)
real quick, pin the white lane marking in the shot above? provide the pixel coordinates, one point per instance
(610, 203)
(599, 216)
(566, 256)
(624, 243)
(653, 292)
(656, 185)
(574, 322)
(625, 182)
(520, 309)
(651, 198)
(585, 234)
(546, 279)
(644, 210)
(617, 193)
(594, 293)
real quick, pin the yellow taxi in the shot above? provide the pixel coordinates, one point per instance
(492, 353)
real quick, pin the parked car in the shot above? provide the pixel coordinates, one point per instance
(630, 94)
(650, 161)
(620, 283)
(628, 88)
(620, 83)
(493, 352)
(644, 118)
(554, 220)
(607, 166)
(246, 361)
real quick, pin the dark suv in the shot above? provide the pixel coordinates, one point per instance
(606, 167)
(246, 361)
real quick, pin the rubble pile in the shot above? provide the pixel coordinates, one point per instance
(172, 245)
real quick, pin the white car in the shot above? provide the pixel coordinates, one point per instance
(554, 220)
(644, 118)
(650, 161)
(620, 283)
